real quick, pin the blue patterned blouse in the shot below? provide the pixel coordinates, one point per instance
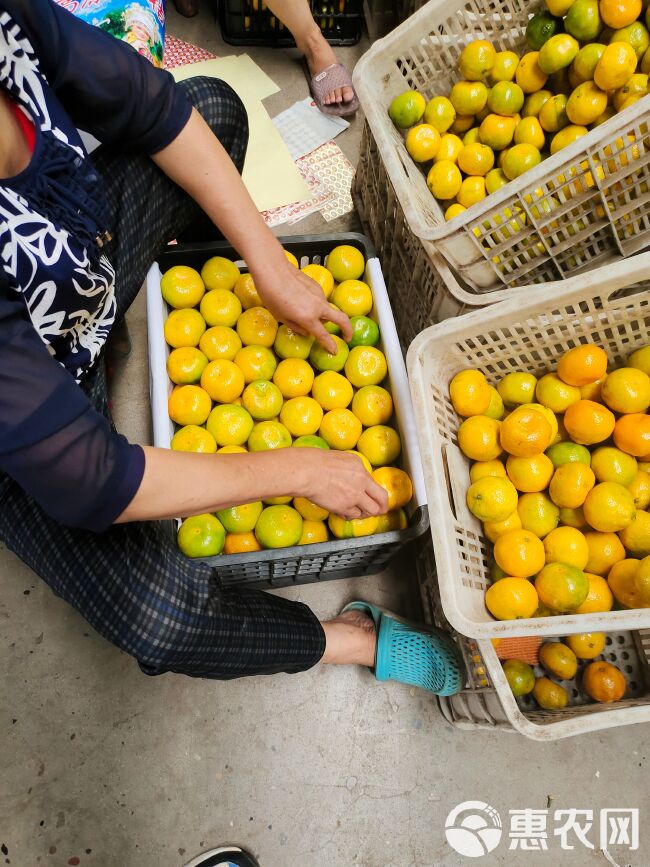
(57, 288)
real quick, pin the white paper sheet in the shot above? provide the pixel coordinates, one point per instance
(304, 127)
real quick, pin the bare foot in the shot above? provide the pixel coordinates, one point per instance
(319, 55)
(350, 639)
(356, 618)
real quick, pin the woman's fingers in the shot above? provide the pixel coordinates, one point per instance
(369, 497)
(323, 336)
(297, 328)
(340, 483)
(369, 507)
(315, 310)
(339, 318)
(378, 496)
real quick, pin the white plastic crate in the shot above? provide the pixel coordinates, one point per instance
(610, 307)
(594, 216)
(496, 708)
(487, 702)
(630, 651)
(422, 288)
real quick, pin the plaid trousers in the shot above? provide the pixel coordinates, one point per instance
(131, 583)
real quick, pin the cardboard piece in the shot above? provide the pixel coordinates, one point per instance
(270, 174)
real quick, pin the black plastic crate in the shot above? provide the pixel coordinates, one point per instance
(249, 22)
(302, 564)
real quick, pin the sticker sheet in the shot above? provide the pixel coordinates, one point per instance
(304, 128)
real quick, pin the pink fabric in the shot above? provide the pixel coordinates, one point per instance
(26, 125)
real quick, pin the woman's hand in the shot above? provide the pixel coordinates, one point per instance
(197, 162)
(184, 483)
(338, 482)
(299, 302)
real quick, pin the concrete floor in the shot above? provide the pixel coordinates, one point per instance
(324, 769)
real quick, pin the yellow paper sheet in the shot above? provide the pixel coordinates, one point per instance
(237, 68)
(270, 174)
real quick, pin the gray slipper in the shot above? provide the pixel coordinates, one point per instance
(325, 82)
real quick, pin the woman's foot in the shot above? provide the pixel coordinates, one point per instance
(187, 8)
(351, 639)
(319, 55)
(356, 618)
(226, 856)
(411, 653)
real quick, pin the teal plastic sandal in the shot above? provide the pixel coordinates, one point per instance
(417, 655)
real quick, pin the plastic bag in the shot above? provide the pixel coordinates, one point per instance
(141, 23)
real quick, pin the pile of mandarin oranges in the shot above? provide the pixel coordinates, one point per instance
(244, 382)
(586, 61)
(560, 480)
(577, 663)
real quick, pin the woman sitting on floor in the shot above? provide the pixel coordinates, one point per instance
(79, 503)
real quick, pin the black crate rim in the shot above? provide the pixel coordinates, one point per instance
(232, 27)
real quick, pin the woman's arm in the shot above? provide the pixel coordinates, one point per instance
(198, 163)
(180, 483)
(83, 474)
(118, 96)
(57, 447)
(106, 87)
